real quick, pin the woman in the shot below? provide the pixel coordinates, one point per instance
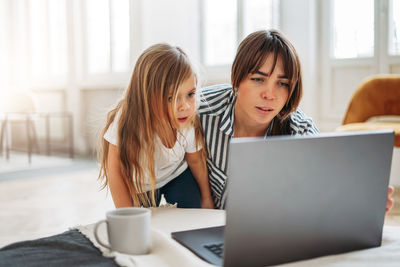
(262, 101)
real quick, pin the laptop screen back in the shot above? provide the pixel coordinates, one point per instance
(292, 198)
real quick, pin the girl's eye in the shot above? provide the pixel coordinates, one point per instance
(256, 79)
(170, 99)
(191, 94)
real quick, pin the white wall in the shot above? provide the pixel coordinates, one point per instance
(159, 24)
(299, 24)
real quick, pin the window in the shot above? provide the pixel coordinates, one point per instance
(120, 35)
(48, 38)
(259, 14)
(220, 31)
(107, 27)
(359, 38)
(353, 37)
(227, 22)
(98, 36)
(394, 28)
(103, 37)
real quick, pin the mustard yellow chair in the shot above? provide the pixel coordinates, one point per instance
(377, 96)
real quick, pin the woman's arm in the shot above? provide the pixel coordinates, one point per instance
(200, 173)
(119, 190)
(390, 200)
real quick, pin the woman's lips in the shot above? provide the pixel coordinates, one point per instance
(265, 110)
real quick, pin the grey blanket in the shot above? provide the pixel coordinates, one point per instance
(70, 248)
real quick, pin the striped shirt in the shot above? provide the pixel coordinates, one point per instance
(217, 118)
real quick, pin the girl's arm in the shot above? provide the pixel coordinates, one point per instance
(200, 173)
(119, 190)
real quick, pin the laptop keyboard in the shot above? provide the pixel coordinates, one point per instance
(217, 249)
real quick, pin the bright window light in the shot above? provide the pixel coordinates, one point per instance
(98, 36)
(48, 25)
(258, 15)
(394, 28)
(353, 28)
(220, 31)
(120, 35)
(58, 37)
(39, 46)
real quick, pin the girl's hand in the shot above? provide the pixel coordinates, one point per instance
(207, 203)
(390, 201)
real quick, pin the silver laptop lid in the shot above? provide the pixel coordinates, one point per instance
(292, 198)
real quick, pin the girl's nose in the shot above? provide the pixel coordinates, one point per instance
(183, 105)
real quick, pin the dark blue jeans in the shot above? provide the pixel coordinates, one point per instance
(183, 190)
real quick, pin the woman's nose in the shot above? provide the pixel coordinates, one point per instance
(268, 92)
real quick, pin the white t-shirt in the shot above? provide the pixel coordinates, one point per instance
(169, 162)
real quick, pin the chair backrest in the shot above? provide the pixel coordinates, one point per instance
(19, 102)
(377, 96)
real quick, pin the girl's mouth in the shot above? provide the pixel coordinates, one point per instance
(182, 120)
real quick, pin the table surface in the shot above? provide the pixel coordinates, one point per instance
(167, 252)
(73, 249)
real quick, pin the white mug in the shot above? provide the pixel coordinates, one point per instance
(128, 230)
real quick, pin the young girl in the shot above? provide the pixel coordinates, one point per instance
(154, 134)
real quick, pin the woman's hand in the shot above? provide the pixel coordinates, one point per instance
(207, 203)
(390, 200)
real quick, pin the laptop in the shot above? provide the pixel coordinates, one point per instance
(298, 197)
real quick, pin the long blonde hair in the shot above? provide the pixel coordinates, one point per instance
(143, 114)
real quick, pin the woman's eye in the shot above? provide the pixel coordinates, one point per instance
(257, 79)
(191, 94)
(284, 84)
(170, 99)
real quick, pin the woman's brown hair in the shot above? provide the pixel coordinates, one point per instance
(143, 115)
(252, 54)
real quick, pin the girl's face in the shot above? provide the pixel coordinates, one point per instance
(261, 96)
(185, 105)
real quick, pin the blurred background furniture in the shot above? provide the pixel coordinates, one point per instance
(20, 110)
(19, 113)
(2, 133)
(375, 105)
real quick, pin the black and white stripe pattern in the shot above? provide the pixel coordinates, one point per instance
(216, 116)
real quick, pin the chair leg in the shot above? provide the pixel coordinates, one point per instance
(48, 149)
(2, 137)
(34, 137)
(7, 139)
(71, 137)
(29, 138)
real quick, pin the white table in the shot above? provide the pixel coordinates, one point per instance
(167, 252)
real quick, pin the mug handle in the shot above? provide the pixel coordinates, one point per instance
(96, 227)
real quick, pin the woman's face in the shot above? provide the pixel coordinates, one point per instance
(185, 105)
(261, 96)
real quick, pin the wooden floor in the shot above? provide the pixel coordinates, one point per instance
(34, 207)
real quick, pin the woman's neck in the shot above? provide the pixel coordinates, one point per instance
(244, 128)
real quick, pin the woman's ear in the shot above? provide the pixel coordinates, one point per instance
(235, 91)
